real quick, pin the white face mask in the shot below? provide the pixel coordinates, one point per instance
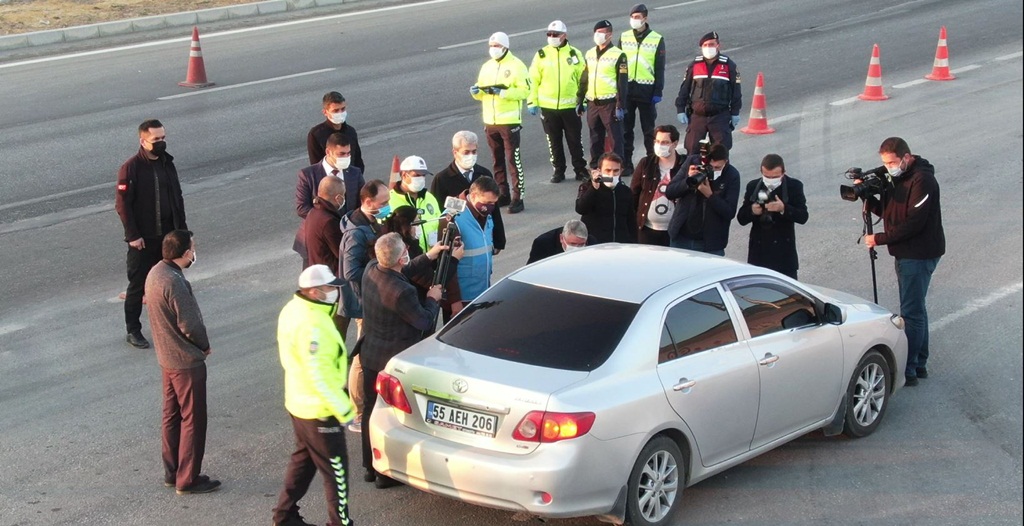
(663, 150)
(636, 23)
(466, 162)
(771, 183)
(496, 52)
(342, 163)
(897, 171)
(417, 183)
(709, 52)
(332, 297)
(192, 263)
(718, 173)
(405, 259)
(571, 248)
(554, 41)
(610, 184)
(600, 38)
(338, 118)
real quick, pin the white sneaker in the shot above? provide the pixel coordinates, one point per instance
(355, 426)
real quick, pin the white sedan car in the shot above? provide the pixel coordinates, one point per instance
(604, 381)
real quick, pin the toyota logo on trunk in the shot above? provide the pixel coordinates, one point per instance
(459, 385)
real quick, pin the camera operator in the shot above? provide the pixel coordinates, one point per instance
(912, 219)
(706, 191)
(774, 204)
(605, 205)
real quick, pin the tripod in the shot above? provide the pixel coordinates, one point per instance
(872, 253)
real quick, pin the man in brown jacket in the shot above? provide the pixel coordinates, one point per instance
(182, 346)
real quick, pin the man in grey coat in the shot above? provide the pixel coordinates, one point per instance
(182, 346)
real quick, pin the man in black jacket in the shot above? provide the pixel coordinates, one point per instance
(704, 211)
(458, 175)
(335, 109)
(149, 202)
(605, 205)
(774, 204)
(913, 233)
(573, 236)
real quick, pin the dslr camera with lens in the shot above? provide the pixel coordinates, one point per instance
(706, 170)
(872, 182)
(762, 200)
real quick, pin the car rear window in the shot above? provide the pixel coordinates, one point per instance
(541, 326)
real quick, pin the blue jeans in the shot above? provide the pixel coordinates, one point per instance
(913, 276)
(693, 244)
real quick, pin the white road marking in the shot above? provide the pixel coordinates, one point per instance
(966, 68)
(1011, 56)
(250, 83)
(679, 5)
(210, 36)
(484, 41)
(976, 305)
(7, 329)
(914, 82)
(785, 118)
(843, 102)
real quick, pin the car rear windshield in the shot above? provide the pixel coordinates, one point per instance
(541, 326)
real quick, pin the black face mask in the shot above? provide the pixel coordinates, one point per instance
(159, 147)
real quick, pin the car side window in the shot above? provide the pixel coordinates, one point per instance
(696, 324)
(772, 307)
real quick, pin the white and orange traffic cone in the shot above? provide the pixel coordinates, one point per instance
(757, 124)
(396, 176)
(196, 76)
(873, 84)
(940, 68)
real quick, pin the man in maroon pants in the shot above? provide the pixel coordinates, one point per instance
(182, 346)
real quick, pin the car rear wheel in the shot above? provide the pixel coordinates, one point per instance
(867, 396)
(656, 484)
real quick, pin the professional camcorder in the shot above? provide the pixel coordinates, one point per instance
(872, 182)
(762, 199)
(706, 170)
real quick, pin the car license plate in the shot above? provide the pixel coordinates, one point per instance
(461, 419)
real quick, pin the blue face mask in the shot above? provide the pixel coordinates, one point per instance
(383, 212)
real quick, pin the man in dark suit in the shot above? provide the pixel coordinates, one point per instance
(337, 162)
(773, 204)
(458, 175)
(572, 236)
(393, 319)
(323, 224)
(704, 211)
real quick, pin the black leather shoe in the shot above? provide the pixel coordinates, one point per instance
(369, 475)
(383, 482)
(201, 486)
(922, 372)
(170, 482)
(911, 381)
(516, 206)
(295, 520)
(557, 178)
(582, 176)
(503, 200)
(137, 340)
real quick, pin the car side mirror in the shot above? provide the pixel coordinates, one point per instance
(834, 314)
(799, 318)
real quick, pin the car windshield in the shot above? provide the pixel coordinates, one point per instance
(541, 326)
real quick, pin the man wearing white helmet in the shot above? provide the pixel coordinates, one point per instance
(502, 86)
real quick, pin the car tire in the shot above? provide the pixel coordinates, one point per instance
(656, 482)
(867, 396)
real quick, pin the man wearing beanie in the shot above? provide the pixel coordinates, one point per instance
(603, 92)
(645, 52)
(502, 86)
(709, 98)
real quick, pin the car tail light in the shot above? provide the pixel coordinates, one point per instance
(543, 426)
(391, 391)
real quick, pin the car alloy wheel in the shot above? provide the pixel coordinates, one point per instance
(867, 395)
(655, 484)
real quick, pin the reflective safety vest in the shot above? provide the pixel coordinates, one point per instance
(477, 261)
(602, 80)
(314, 359)
(426, 209)
(641, 56)
(555, 77)
(510, 72)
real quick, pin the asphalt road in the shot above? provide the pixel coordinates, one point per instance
(79, 411)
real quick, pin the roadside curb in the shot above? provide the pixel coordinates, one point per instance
(150, 23)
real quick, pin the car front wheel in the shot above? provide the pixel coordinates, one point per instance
(656, 484)
(867, 396)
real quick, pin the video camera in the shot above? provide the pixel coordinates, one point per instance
(872, 182)
(762, 199)
(706, 170)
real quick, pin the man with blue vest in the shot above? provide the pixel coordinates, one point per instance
(709, 100)
(645, 53)
(554, 80)
(604, 88)
(476, 227)
(502, 86)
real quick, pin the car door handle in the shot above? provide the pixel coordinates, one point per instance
(769, 359)
(684, 384)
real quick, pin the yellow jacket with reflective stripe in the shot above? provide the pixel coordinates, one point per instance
(426, 208)
(641, 56)
(555, 77)
(506, 107)
(603, 76)
(314, 359)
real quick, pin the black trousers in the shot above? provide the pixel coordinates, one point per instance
(648, 114)
(718, 125)
(369, 400)
(183, 427)
(649, 236)
(319, 445)
(504, 142)
(139, 262)
(559, 123)
(602, 123)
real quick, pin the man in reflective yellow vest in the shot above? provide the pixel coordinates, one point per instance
(554, 80)
(645, 51)
(502, 86)
(603, 92)
(411, 190)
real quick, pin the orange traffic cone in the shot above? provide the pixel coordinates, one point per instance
(196, 76)
(873, 84)
(396, 177)
(940, 69)
(758, 122)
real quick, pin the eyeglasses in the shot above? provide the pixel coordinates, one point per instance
(554, 34)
